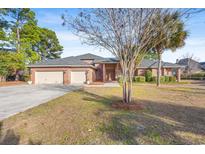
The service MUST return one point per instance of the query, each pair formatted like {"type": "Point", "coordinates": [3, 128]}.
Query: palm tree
{"type": "Point", "coordinates": [170, 37]}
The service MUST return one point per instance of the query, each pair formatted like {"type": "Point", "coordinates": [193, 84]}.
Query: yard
{"type": "Point", "coordinates": [171, 114]}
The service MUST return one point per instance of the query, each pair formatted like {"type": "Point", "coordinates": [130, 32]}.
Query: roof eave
{"type": "Point", "coordinates": [40, 66]}
{"type": "Point", "coordinates": [106, 62]}
{"type": "Point", "coordinates": [162, 67]}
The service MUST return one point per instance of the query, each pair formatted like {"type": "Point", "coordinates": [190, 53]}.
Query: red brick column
{"type": "Point", "coordinates": [116, 71]}
{"type": "Point", "coordinates": [66, 81]}
{"type": "Point", "coordinates": [32, 76]}
{"type": "Point", "coordinates": [89, 75]}
{"type": "Point", "coordinates": [104, 72]}
{"type": "Point", "coordinates": [163, 71]}
{"type": "Point", "coordinates": [178, 74]}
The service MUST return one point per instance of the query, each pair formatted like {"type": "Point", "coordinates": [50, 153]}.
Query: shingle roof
{"type": "Point", "coordinates": [193, 64]}
{"type": "Point", "coordinates": [68, 61]}
{"type": "Point", "coordinates": [202, 65]}
{"type": "Point", "coordinates": [77, 61]}
{"type": "Point", "coordinates": [154, 63]}
{"type": "Point", "coordinates": [89, 56]}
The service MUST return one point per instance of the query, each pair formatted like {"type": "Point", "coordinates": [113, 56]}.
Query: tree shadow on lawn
{"type": "Point", "coordinates": [187, 90]}
{"type": "Point", "coordinates": [158, 123]}
{"type": "Point", "coordinates": [199, 83]}
{"type": "Point", "coordinates": [9, 137]}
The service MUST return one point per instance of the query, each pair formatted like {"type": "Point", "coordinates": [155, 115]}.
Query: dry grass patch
{"type": "Point", "coordinates": [170, 116]}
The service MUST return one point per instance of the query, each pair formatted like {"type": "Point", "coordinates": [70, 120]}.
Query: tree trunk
{"type": "Point", "coordinates": [124, 86]}
{"type": "Point", "coordinates": [17, 50]}
{"type": "Point", "coordinates": [18, 40]}
{"type": "Point", "coordinates": [159, 68]}
{"type": "Point", "coordinates": [131, 74]}
{"type": "Point", "coordinates": [130, 92]}
{"type": "Point", "coordinates": [124, 92]}
{"type": "Point", "coordinates": [127, 83]}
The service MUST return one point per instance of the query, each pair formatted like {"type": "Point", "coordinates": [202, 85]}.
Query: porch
{"type": "Point", "coordinates": [107, 72]}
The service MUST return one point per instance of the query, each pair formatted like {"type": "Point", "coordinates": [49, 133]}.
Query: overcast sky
{"type": "Point", "coordinates": [51, 18]}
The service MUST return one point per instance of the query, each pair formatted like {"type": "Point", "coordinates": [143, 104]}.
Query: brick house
{"type": "Point", "coordinates": [90, 68]}
{"type": "Point", "coordinates": [191, 66]}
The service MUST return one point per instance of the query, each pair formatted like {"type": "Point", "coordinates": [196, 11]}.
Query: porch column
{"type": "Point", "coordinates": [116, 71]}
{"type": "Point", "coordinates": [178, 74]}
{"type": "Point", "coordinates": [163, 71]}
{"type": "Point", "coordinates": [104, 72]}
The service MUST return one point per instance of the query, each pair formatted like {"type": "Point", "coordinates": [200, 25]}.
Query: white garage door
{"type": "Point", "coordinates": [78, 77]}
{"type": "Point", "coordinates": [49, 77]}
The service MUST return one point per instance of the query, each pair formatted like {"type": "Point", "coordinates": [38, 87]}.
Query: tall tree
{"type": "Point", "coordinates": [126, 33]}
{"type": "Point", "coordinates": [169, 36]}
{"type": "Point", "coordinates": [42, 41]}
{"type": "Point", "coordinates": [49, 46]}
{"type": "Point", "coordinates": [30, 41]}
{"type": "Point", "coordinates": [9, 63]}
{"type": "Point", "coordinates": [19, 17]}
{"type": "Point", "coordinates": [3, 27]}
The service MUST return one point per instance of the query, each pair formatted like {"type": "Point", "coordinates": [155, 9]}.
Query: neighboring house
{"type": "Point", "coordinates": [202, 65]}
{"type": "Point", "coordinates": [190, 66]}
{"type": "Point", "coordinates": [90, 68]}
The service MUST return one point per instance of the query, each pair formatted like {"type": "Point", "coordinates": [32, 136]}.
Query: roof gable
{"type": "Point", "coordinates": [89, 56]}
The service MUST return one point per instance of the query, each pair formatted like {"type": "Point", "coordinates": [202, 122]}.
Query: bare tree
{"type": "Point", "coordinates": [127, 33]}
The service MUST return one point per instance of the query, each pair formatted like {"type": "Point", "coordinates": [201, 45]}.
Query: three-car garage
{"type": "Point", "coordinates": [56, 77]}
{"type": "Point", "coordinates": [61, 75]}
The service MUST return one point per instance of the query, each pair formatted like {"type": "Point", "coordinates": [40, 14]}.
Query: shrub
{"type": "Point", "coordinates": [148, 75]}
{"type": "Point", "coordinates": [166, 78]}
{"type": "Point", "coordinates": [162, 78]}
{"type": "Point", "coordinates": [26, 77]}
{"type": "Point", "coordinates": [172, 79]}
{"type": "Point", "coordinates": [154, 79]}
{"type": "Point", "coordinates": [139, 79]}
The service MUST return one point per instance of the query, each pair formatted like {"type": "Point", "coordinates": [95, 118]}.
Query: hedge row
{"type": "Point", "coordinates": [195, 75]}
{"type": "Point", "coordinates": [152, 79]}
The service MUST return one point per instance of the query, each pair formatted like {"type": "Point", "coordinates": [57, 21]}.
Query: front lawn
{"type": "Point", "coordinates": [171, 115]}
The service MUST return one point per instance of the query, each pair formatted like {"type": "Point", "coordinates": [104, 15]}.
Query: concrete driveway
{"type": "Point", "coordinates": [15, 99]}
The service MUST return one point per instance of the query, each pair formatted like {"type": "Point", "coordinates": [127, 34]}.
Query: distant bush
{"type": "Point", "coordinates": [166, 78]}
{"type": "Point", "coordinates": [148, 75]}
{"type": "Point", "coordinates": [139, 79]}
{"type": "Point", "coordinates": [201, 74]}
{"type": "Point", "coordinates": [172, 79]}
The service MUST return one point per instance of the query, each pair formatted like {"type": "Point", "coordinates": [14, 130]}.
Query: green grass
{"type": "Point", "coordinates": [171, 115]}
